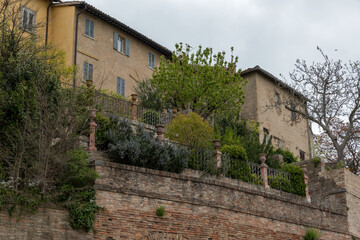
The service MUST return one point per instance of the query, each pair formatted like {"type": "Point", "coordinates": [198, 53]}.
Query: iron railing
{"type": "Point", "coordinates": [152, 117]}
{"type": "Point", "coordinates": [240, 170]}
{"type": "Point", "coordinates": [280, 180]}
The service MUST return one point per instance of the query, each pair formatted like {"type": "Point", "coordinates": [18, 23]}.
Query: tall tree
{"type": "Point", "coordinates": [203, 81]}
{"type": "Point", "coordinates": [333, 90]}
{"type": "Point", "coordinates": [325, 148]}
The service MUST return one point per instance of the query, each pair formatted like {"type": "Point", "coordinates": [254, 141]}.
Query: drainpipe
{"type": "Point", "coordinates": [47, 23]}
{"type": "Point", "coordinates": [76, 40]}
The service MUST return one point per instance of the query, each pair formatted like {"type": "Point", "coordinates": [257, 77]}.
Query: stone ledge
{"type": "Point", "coordinates": [223, 182]}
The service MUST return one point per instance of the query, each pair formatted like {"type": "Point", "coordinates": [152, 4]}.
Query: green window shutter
{"type": "Point", "coordinates": [85, 71]}
{"type": "Point", "coordinates": [91, 28]}
{"type": "Point", "coordinates": [122, 87]}
{"type": "Point", "coordinates": [87, 27]}
{"type": "Point", "coordinates": [116, 41]}
{"type": "Point", "coordinates": [127, 47]}
{"type": "Point", "coordinates": [118, 85]}
{"type": "Point", "coordinates": [90, 71]}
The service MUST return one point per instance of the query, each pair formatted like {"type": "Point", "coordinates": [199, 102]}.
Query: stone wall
{"type": "Point", "coordinates": [199, 207]}
{"type": "Point", "coordinates": [47, 223]}
{"type": "Point", "coordinates": [337, 189]}
{"type": "Point", "coordinates": [352, 183]}
{"type": "Point", "coordinates": [196, 207]}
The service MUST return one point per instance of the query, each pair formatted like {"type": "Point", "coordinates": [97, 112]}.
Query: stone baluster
{"type": "Point", "coordinates": [134, 106]}
{"type": "Point", "coordinates": [160, 130]}
{"type": "Point", "coordinates": [306, 180]}
{"type": "Point", "coordinates": [217, 153]}
{"type": "Point", "coordinates": [92, 113]}
{"type": "Point", "coordinates": [263, 168]}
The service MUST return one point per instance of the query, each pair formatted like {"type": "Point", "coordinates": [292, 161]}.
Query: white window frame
{"type": "Point", "coordinates": [90, 26]}
{"type": "Point", "coordinates": [121, 44]}
{"type": "Point", "coordinates": [151, 60]}
{"type": "Point", "coordinates": [27, 26]}
{"type": "Point", "coordinates": [88, 71]}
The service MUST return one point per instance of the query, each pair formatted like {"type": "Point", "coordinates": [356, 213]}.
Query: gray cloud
{"type": "Point", "coordinates": [272, 34]}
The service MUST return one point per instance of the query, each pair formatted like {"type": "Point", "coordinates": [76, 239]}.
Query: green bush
{"type": "Point", "coordinates": [77, 191]}
{"type": "Point", "coordinates": [77, 170]}
{"type": "Point", "coordinates": [151, 117]}
{"type": "Point", "coordinates": [312, 234]}
{"type": "Point", "coordinates": [280, 183]}
{"type": "Point", "coordinates": [255, 178]}
{"type": "Point", "coordinates": [235, 151]}
{"type": "Point", "coordinates": [287, 155]}
{"type": "Point", "coordinates": [316, 161]}
{"type": "Point", "coordinates": [103, 126]}
{"type": "Point", "coordinates": [141, 149]}
{"type": "Point", "coordinates": [190, 129]}
{"type": "Point", "coordinates": [297, 178]}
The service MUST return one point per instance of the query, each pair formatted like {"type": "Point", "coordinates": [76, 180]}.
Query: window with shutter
{"type": "Point", "coordinates": [121, 44]}
{"type": "Point", "coordinates": [89, 28]}
{"type": "Point", "coordinates": [120, 86]}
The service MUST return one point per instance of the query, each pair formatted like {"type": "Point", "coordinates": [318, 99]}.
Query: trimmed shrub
{"type": "Point", "coordinates": [297, 178]}
{"type": "Point", "coordinates": [235, 151]}
{"type": "Point", "coordinates": [190, 129]}
{"type": "Point", "coordinates": [280, 183]}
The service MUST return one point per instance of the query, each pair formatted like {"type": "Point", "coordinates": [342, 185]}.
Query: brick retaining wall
{"type": "Point", "coordinates": [196, 207]}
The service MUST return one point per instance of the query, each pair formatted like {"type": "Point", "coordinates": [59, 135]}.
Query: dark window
{"type": "Point", "coordinates": [302, 155]}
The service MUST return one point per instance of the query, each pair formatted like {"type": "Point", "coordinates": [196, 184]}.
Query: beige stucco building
{"type": "Point", "coordinates": [104, 49]}
{"type": "Point", "coordinates": [265, 97]}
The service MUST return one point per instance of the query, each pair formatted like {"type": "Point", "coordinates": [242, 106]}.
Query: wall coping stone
{"type": "Point", "coordinates": [221, 182]}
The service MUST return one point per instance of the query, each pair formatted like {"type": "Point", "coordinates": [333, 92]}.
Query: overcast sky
{"type": "Point", "coordinates": [268, 33]}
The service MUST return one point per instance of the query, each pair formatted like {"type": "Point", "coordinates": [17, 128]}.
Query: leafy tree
{"type": "Point", "coordinates": [40, 123]}
{"type": "Point", "coordinates": [333, 90]}
{"type": "Point", "coordinates": [203, 81]}
{"type": "Point", "coordinates": [149, 96]}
